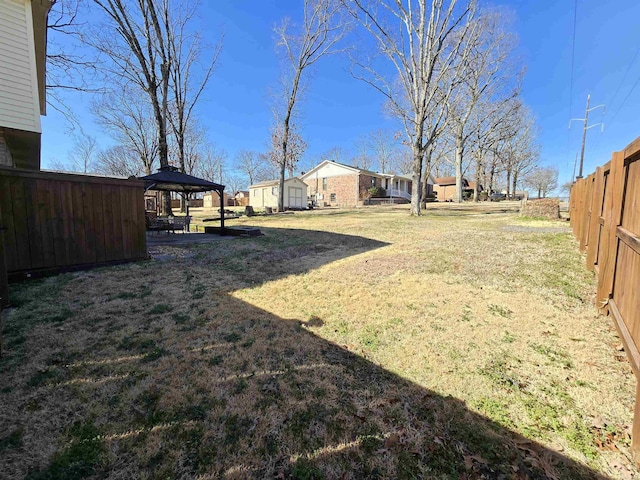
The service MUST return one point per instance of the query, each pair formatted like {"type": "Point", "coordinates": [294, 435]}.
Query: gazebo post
{"type": "Point", "coordinates": [221, 193]}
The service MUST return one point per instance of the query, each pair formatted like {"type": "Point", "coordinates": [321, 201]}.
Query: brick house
{"type": "Point", "coordinates": [445, 188]}
{"type": "Point", "coordinates": [335, 184]}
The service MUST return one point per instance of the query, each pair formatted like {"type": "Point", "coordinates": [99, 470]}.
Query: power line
{"type": "Point", "coordinates": [615, 95]}
{"type": "Point", "coordinates": [625, 99]}
{"type": "Point", "coordinates": [625, 76]}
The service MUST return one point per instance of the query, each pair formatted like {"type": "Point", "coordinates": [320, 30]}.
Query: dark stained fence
{"type": "Point", "coordinates": [56, 221]}
{"type": "Point", "coordinates": [605, 218]}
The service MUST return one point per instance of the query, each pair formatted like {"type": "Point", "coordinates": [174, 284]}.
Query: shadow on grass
{"type": "Point", "coordinates": [241, 393]}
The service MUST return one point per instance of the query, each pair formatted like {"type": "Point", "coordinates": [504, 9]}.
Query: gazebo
{"type": "Point", "coordinates": [170, 179]}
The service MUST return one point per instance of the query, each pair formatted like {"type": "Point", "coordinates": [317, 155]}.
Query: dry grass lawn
{"type": "Point", "coordinates": [339, 345]}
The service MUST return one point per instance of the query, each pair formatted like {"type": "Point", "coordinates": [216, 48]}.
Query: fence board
{"type": "Point", "coordinates": [594, 219]}
{"type": "Point", "coordinates": [55, 221]}
{"type": "Point", "coordinates": [126, 211]}
{"type": "Point", "coordinates": [34, 230]}
{"type": "Point", "coordinates": [611, 215]}
{"type": "Point", "coordinates": [4, 282]}
{"type": "Point", "coordinates": [20, 228]}
{"type": "Point", "coordinates": [8, 231]}
{"type": "Point", "coordinates": [44, 200]}
{"type": "Point", "coordinates": [89, 229]}
{"type": "Point", "coordinates": [99, 225]}
{"type": "Point", "coordinates": [57, 225]}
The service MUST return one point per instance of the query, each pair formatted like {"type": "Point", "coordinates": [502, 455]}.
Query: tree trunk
{"type": "Point", "coordinates": [425, 176]}
{"type": "Point", "coordinates": [477, 185]}
{"type": "Point", "coordinates": [515, 182]}
{"type": "Point", "coordinates": [416, 179]}
{"type": "Point", "coordinates": [458, 163]}
{"type": "Point", "coordinates": [508, 182]}
{"type": "Point", "coordinates": [283, 165]}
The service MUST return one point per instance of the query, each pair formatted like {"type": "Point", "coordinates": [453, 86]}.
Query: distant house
{"type": "Point", "coordinates": [265, 194]}
{"type": "Point", "coordinates": [23, 40]}
{"type": "Point", "coordinates": [445, 188]}
{"type": "Point", "coordinates": [335, 184]}
{"type": "Point", "coordinates": [240, 198]}
{"type": "Point", "coordinates": [212, 200]}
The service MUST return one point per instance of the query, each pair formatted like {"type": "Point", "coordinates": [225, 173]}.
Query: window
{"type": "Point", "coordinates": [274, 191]}
{"type": "Point", "coordinates": [324, 183]}
{"type": "Point", "coordinates": [373, 181]}
{"type": "Point", "coordinates": [332, 198]}
{"type": "Point", "coordinates": [255, 192]}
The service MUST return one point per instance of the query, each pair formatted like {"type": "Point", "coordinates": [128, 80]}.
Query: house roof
{"type": "Point", "coordinates": [269, 183]}
{"type": "Point", "coordinates": [442, 181]}
{"type": "Point", "coordinates": [347, 167]}
{"type": "Point", "coordinates": [172, 180]}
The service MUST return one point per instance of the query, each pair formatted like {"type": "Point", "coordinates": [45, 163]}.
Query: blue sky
{"type": "Point", "coordinates": [338, 109]}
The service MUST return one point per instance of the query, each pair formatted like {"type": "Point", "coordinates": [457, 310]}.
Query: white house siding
{"type": "Point", "coordinates": [19, 101]}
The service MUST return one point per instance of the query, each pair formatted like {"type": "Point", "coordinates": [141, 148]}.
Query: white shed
{"type": "Point", "coordinates": [265, 194]}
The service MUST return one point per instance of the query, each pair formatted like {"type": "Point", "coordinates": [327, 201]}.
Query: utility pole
{"type": "Point", "coordinates": [584, 132]}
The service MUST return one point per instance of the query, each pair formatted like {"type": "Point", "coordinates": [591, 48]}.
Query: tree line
{"type": "Point", "coordinates": [447, 72]}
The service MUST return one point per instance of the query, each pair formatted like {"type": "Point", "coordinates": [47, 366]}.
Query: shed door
{"type": "Point", "coordinates": [295, 197]}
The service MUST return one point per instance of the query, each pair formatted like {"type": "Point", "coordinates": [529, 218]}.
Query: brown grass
{"type": "Point", "coordinates": [342, 344]}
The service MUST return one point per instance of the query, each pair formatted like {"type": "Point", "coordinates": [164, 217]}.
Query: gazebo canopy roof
{"type": "Point", "coordinates": [172, 180]}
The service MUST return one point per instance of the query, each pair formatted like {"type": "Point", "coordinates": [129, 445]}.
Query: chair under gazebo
{"type": "Point", "coordinates": [170, 179]}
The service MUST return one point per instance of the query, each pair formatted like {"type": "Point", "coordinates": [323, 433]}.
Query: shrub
{"type": "Point", "coordinates": [377, 192]}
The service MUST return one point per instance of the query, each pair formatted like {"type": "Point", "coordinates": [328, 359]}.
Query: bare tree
{"type": "Point", "coordinates": [186, 86]}
{"type": "Point", "coordinates": [518, 152]}
{"type": "Point", "coordinates": [542, 179]}
{"type": "Point", "coordinates": [135, 38]}
{"type": "Point", "coordinates": [363, 159]}
{"type": "Point", "coordinates": [250, 164]}
{"type": "Point", "coordinates": [121, 161]}
{"type": "Point", "coordinates": [403, 161]}
{"type": "Point", "coordinates": [566, 187]}
{"type": "Point", "coordinates": [321, 29]}
{"type": "Point", "coordinates": [82, 155]}
{"type": "Point", "coordinates": [68, 65]}
{"type": "Point", "coordinates": [57, 165]}
{"type": "Point", "coordinates": [233, 183]}
{"type": "Point", "coordinates": [129, 121]}
{"type": "Point", "coordinates": [383, 145]}
{"type": "Point", "coordinates": [491, 127]}
{"type": "Point", "coordinates": [296, 146]}
{"type": "Point", "coordinates": [421, 40]}
{"type": "Point", "coordinates": [335, 154]}
{"type": "Point", "coordinates": [213, 164]}
{"type": "Point", "coordinates": [485, 83]}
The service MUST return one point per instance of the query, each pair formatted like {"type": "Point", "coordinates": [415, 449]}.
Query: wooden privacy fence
{"type": "Point", "coordinates": [56, 221]}
{"type": "Point", "coordinates": [605, 217]}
